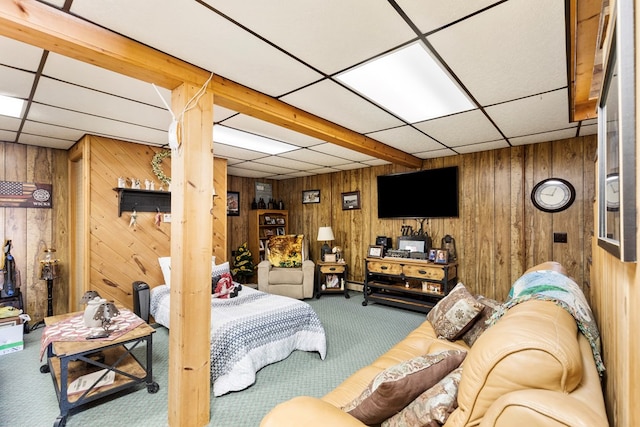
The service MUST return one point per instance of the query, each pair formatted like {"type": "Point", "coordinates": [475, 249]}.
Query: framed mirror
{"type": "Point", "coordinates": [616, 141]}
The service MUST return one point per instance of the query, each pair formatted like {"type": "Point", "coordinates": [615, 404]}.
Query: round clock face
{"type": "Point", "coordinates": [553, 195]}
{"type": "Point", "coordinates": [613, 192]}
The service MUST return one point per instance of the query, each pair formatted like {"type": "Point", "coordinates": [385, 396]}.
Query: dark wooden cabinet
{"type": "Point", "coordinates": [407, 283]}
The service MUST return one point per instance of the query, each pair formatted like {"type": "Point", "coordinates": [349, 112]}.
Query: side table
{"type": "Point", "coordinates": [69, 360]}
{"type": "Point", "coordinates": [333, 276]}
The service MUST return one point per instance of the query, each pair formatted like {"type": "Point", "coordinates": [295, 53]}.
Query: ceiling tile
{"type": "Point", "coordinates": [247, 173]}
{"type": "Point", "coordinates": [444, 152]}
{"type": "Point", "coordinates": [330, 35]}
{"type": "Point", "coordinates": [512, 50]}
{"type": "Point", "coordinates": [7, 136]}
{"type": "Point", "coordinates": [45, 141]}
{"type": "Point", "coordinates": [313, 157]}
{"type": "Point", "coordinates": [532, 115]}
{"type": "Point", "coordinates": [9, 123]}
{"type": "Point", "coordinates": [15, 83]}
{"type": "Point", "coordinates": [407, 139]}
{"type": "Point", "coordinates": [269, 130]}
{"type": "Point", "coordinates": [286, 163]}
{"type": "Point", "coordinates": [224, 150]}
{"type": "Point", "coordinates": [429, 15]}
{"type": "Point", "coordinates": [60, 132]}
{"type": "Point", "coordinates": [19, 55]}
{"type": "Point", "coordinates": [336, 104]}
{"type": "Point", "coordinates": [483, 146]}
{"type": "Point", "coordinates": [589, 129]}
{"type": "Point", "coordinates": [544, 137]}
{"type": "Point", "coordinates": [338, 151]}
{"type": "Point", "coordinates": [460, 129]}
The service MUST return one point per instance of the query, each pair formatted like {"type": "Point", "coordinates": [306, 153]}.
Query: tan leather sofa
{"type": "Point", "coordinates": [532, 368]}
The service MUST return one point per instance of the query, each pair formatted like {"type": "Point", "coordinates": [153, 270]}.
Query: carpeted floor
{"type": "Point", "coordinates": [356, 335]}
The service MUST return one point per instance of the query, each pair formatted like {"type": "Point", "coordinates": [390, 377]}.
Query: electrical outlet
{"type": "Point", "coordinates": [166, 218]}
{"type": "Point", "coordinates": [559, 237]}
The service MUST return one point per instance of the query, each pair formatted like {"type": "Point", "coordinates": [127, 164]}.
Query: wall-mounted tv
{"type": "Point", "coordinates": [428, 193]}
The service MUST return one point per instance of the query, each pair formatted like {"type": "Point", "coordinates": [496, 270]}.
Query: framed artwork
{"type": "Point", "coordinates": [330, 258]}
{"type": "Point", "coordinates": [233, 203]}
{"type": "Point", "coordinates": [280, 231]}
{"type": "Point", "coordinates": [442, 256]}
{"type": "Point", "coordinates": [311, 196]}
{"type": "Point", "coordinates": [432, 255]}
{"type": "Point", "coordinates": [617, 192]}
{"type": "Point", "coordinates": [351, 200]}
{"type": "Point", "coordinates": [375, 251]}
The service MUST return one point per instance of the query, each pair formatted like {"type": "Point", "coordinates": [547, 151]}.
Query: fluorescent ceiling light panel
{"type": "Point", "coordinates": [11, 106]}
{"type": "Point", "coordinates": [410, 83]}
{"type": "Point", "coordinates": [249, 141]}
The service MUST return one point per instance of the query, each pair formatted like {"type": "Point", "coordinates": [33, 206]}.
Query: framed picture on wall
{"type": "Point", "coordinates": [311, 196]}
{"type": "Point", "coordinates": [351, 200]}
{"type": "Point", "coordinates": [233, 203]}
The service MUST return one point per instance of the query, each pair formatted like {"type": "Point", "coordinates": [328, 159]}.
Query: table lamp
{"type": "Point", "coordinates": [325, 234]}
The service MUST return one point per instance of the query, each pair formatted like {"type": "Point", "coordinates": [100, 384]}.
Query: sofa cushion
{"type": "Point", "coordinates": [285, 251]}
{"type": "Point", "coordinates": [454, 314]}
{"type": "Point", "coordinates": [286, 276]}
{"type": "Point", "coordinates": [431, 408]}
{"type": "Point", "coordinates": [480, 323]}
{"type": "Point", "coordinates": [395, 387]}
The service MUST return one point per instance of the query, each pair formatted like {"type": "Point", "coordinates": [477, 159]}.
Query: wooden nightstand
{"type": "Point", "coordinates": [333, 276]}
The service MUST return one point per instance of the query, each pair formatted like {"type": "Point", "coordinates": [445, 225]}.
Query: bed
{"type": "Point", "coordinates": [250, 331]}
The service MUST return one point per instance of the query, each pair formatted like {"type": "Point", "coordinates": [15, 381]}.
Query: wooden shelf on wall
{"type": "Point", "coordinates": [143, 200]}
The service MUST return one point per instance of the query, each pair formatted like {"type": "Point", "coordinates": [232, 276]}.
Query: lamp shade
{"type": "Point", "coordinates": [325, 234]}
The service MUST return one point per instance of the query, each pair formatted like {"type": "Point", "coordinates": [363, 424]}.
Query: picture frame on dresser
{"type": "Point", "coordinates": [442, 256]}
{"type": "Point", "coordinates": [330, 258]}
{"type": "Point", "coordinates": [375, 251]}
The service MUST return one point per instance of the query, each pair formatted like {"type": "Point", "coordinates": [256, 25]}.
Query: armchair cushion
{"type": "Point", "coordinates": [285, 251]}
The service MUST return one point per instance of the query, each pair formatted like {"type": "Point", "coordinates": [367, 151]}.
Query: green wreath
{"type": "Point", "coordinates": [157, 168]}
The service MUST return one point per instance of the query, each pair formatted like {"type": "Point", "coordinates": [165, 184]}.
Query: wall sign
{"type": "Point", "coordinates": [15, 194]}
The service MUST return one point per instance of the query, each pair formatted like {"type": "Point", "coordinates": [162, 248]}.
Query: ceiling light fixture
{"type": "Point", "coordinates": [11, 106]}
{"type": "Point", "coordinates": [410, 83]}
{"type": "Point", "coordinates": [249, 141]}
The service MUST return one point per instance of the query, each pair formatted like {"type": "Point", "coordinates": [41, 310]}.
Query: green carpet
{"type": "Point", "coordinates": [356, 335]}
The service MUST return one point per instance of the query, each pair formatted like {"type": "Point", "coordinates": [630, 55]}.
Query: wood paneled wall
{"type": "Point", "coordinates": [499, 233]}
{"type": "Point", "coordinates": [33, 230]}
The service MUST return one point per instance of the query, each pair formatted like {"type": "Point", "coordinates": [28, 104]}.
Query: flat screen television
{"type": "Point", "coordinates": [429, 193]}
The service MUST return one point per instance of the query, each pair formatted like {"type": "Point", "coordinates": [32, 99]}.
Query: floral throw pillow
{"type": "Point", "coordinates": [431, 408]}
{"type": "Point", "coordinates": [480, 324]}
{"type": "Point", "coordinates": [397, 386]}
{"type": "Point", "coordinates": [285, 251]}
{"type": "Point", "coordinates": [454, 314]}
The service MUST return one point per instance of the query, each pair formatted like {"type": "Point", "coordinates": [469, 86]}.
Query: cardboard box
{"type": "Point", "coordinates": [11, 339]}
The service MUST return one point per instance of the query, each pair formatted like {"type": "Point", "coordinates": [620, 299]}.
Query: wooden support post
{"type": "Point", "coordinates": [191, 247]}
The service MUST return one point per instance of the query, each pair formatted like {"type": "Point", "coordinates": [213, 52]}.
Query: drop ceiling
{"type": "Point", "coordinates": [510, 57]}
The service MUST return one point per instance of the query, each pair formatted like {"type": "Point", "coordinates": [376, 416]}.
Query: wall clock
{"type": "Point", "coordinates": [553, 195]}
{"type": "Point", "coordinates": [613, 192]}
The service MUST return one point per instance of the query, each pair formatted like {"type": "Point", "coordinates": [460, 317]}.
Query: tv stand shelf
{"type": "Point", "coordinates": [408, 283]}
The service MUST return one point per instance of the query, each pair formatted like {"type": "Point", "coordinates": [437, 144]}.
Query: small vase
{"type": "Point", "coordinates": [90, 312]}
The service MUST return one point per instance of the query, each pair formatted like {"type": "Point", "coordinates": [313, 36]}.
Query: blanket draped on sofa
{"type": "Point", "coordinates": [550, 285]}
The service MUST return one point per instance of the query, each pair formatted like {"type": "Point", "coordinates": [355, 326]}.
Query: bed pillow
{"type": "Point", "coordinates": [431, 408]}
{"type": "Point", "coordinates": [455, 313]}
{"type": "Point", "coordinates": [165, 267]}
{"type": "Point", "coordinates": [285, 251]}
{"type": "Point", "coordinates": [480, 324]}
{"type": "Point", "coordinates": [397, 386]}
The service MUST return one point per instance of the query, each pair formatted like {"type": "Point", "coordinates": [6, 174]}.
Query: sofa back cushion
{"type": "Point", "coordinates": [533, 346]}
{"type": "Point", "coordinates": [286, 251]}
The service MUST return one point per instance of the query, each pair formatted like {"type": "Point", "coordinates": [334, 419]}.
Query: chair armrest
{"type": "Point", "coordinates": [308, 412]}
{"type": "Point", "coordinates": [308, 284]}
{"type": "Point", "coordinates": [263, 275]}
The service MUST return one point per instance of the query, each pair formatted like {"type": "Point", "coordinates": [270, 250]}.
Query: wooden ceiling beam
{"type": "Point", "coordinates": [37, 24]}
{"type": "Point", "coordinates": [584, 65]}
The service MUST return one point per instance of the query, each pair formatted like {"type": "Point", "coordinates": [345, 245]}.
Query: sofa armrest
{"type": "Point", "coordinates": [541, 407]}
{"type": "Point", "coordinates": [308, 412]}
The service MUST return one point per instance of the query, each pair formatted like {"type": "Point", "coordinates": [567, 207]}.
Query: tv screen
{"type": "Point", "coordinates": [429, 193]}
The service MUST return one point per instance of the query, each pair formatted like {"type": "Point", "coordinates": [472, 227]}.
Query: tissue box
{"type": "Point", "coordinates": [11, 331]}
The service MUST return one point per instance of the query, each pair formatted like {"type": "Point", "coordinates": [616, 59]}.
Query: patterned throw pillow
{"type": "Point", "coordinates": [431, 408]}
{"type": "Point", "coordinates": [454, 314]}
{"type": "Point", "coordinates": [285, 251]}
{"type": "Point", "coordinates": [395, 387]}
{"type": "Point", "coordinates": [480, 324]}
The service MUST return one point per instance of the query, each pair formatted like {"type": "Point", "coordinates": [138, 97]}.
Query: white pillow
{"type": "Point", "coordinates": [218, 270]}
{"type": "Point", "coordinates": [165, 266]}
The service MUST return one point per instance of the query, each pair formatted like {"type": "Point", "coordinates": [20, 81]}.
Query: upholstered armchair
{"type": "Point", "coordinates": [286, 269]}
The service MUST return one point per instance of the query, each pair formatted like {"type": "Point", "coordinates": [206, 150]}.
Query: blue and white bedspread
{"type": "Point", "coordinates": [249, 332]}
